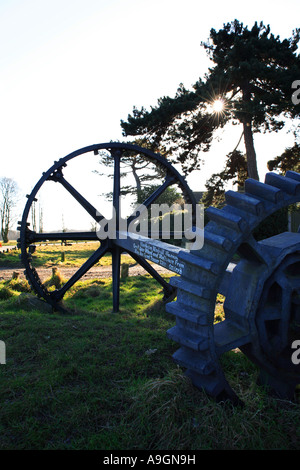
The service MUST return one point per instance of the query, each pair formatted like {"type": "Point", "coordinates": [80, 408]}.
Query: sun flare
{"type": "Point", "coordinates": [218, 106]}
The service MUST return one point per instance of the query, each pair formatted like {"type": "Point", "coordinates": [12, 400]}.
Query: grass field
{"type": "Point", "coordinates": [100, 380]}
{"type": "Point", "coordinates": [51, 255]}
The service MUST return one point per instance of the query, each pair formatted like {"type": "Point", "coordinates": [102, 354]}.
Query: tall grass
{"type": "Point", "coordinates": [100, 380]}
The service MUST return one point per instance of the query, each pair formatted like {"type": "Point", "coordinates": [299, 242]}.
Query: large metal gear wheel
{"type": "Point", "coordinates": [55, 175]}
{"type": "Point", "coordinates": [262, 289]}
{"type": "Point", "coordinates": [262, 292]}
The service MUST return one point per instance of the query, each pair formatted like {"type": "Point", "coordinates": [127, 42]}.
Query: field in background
{"type": "Point", "coordinates": [51, 255]}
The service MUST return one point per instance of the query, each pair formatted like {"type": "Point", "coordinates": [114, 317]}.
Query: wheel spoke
{"type": "Point", "coordinates": [152, 198]}
{"type": "Point", "coordinates": [169, 290]}
{"type": "Point", "coordinates": [94, 213]}
{"type": "Point", "coordinates": [117, 185]}
{"type": "Point", "coordinates": [286, 317]}
{"type": "Point", "coordinates": [115, 250]}
{"type": "Point", "coordinates": [46, 236]}
{"type": "Point", "coordinates": [58, 294]}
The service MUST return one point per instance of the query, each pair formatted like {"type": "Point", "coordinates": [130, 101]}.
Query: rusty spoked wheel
{"type": "Point", "coordinates": [29, 237]}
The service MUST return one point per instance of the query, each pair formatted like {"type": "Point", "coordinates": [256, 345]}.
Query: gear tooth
{"type": "Point", "coordinates": [264, 191]}
{"type": "Point", "coordinates": [191, 315]}
{"type": "Point", "coordinates": [245, 202]}
{"type": "Point", "coordinates": [33, 199]}
{"type": "Point", "coordinates": [36, 286]}
{"type": "Point", "coordinates": [228, 219]}
{"type": "Point", "coordinates": [192, 301]}
{"type": "Point", "coordinates": [197, 361]}
{"type": "Point", "coordinates": [215, 386]}
{"type": "Point", "coordinates": [217, 241]}
{"type": "Point", "coordinates": [228, 335]}
{"type": "Point", "coordinates": [189, 339]}
{"type": "Point", "coordinates": [62, 162]}
{"type": "Point", "coordinates": [207, 265]}
{"type": "Point", "coordinates": [288, 185]}
{"type": "Point", "coordinates": [293, 175]}
{"type": "Point", "coordinates": [190, 287]}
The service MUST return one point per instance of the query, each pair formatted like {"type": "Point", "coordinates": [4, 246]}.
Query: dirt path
{"type": "Point", "coordinates": [7, 248]}
{"type": "Point", "coordinates": [93, 273]}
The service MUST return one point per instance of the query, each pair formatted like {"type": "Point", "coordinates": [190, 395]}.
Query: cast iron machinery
{"type": "Point", "coordinates": [260, 280]}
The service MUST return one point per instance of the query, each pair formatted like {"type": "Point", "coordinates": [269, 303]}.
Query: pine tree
{"type": "Point", "coordinates": [288, 160]}
{"type": "Point", "coordinates": [251, 78]}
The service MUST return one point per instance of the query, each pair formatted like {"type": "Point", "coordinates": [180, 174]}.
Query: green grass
{"type": "Point", "coordinates": [95, 379]}
{"type": "Point", "coordinates": [51, 255]}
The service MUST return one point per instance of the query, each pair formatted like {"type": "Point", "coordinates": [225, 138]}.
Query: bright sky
{"type": "Point", "coordinates": [70, 70]}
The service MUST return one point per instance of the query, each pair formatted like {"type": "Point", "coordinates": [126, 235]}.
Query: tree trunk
{"type": "Point", "coordinates": [137, 180]}
{"type": "Point", "coordinates": [250, 151]}
{"type": "Point", "coordinates": [248, 135]}
{"type": "Point", "coordinates": [5, 236]}
{"type": "Point", "coordinates": [4, 225]}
